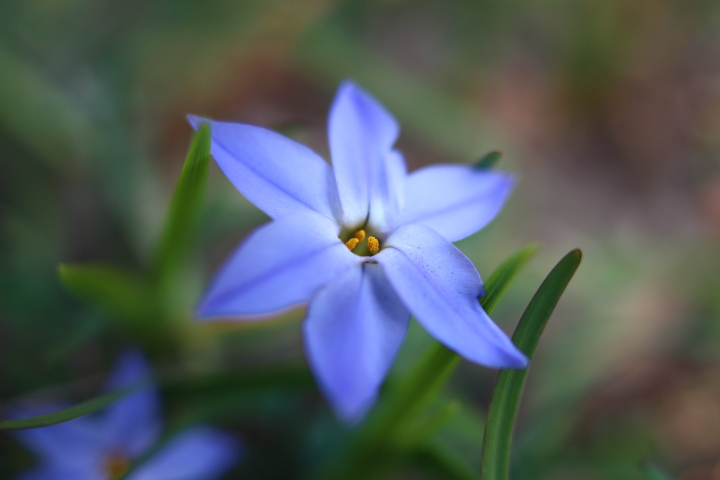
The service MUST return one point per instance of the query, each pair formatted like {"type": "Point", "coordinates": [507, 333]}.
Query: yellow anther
{"type": "Point", "coordinates": [360, 235]}
{"type": "Point", "coordinates": [352, 243]}
{"type": "Point", "coordinates": [116, 466]}
{"type": "Point", "coordinates": [373, 245]}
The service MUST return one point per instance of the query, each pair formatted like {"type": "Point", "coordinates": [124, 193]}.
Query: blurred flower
{"type": "Point", "coordinates": [364, 242]}
{"type": "Point", "coordinates": [102, 446]}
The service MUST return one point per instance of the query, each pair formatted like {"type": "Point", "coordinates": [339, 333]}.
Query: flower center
{"type": "Point", "coordinates": [358, 244]}
{"type": "Point", "coordinates": [116, 466]}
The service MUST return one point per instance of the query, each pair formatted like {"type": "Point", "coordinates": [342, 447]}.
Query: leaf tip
{"type": "Point", "coordinates": [64, 270]}
{"type": "Point", "coordinates": [531, 249]}
{"type": "Point", "coordinates": [575, 254]}
{"type": "Point", "coordinates": [488, 161]}
{"type": "Point", "coordinates": [204, 128]}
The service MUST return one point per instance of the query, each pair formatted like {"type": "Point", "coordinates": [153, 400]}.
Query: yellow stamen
{"type": "Point", "coordinates": [360, 235]}
{"type": "Point", "coordinates": [352, 243]}
{"type": "Point", "coordinates": [116, 466]}
{"type": "Point", "coordinates": [373, 245]}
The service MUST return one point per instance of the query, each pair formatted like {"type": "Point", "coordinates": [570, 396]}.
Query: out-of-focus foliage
{"type": "Point", "coordinates": [608, 111]}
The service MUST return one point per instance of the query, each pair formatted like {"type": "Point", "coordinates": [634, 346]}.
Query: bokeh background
{"type": "Point", "coordinates": [608, 112]}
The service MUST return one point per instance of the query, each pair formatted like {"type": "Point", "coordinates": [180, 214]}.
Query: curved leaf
{"type": "Point", "coordinates": [60, 416]}
{"type": "Point", "coordinates": [509, 385]}
{"type": "Point", "coordinates": [488, 160]}
{"type": "Point", "coordinates": [185, 205]}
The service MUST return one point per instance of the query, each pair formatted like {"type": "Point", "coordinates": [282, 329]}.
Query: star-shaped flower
{"type": "Point", "coordinates": [363, 242]}
{"type": "Point", "coordinates": [103, 445]}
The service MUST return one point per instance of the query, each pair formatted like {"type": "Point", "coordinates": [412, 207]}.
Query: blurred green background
{"type": "Point", "coordinates": [608, 112]}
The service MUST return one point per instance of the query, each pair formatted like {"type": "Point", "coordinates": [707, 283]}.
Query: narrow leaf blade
{"type": "Point", "coordinates": [444, 463]}
{"type": "Point", "coordinates": [502, 277]}
{"type": "Point", "coordinates": [509, 385]}
{"type": "Point", "coordinates": [60, 416]}
{"type": "Point", "coordinates": [185, 205]}
{"type": "Point", "coordinates": [110, 287]}
{"type": "Point", "coordinates": [488, 160]}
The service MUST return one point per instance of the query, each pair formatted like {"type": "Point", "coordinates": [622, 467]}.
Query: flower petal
{"type": "Point", "coordinates": [353, 330]}
{"type": "Point", "coordinates": [277, 174]}
{"type": "Point", "coordinates": [197, 454]}
{"type": "Point", "coordinates": [278, 266]}
{"type": "Point", "coordinates": [362, 134]}
{"type": "Point", "coordinates": [397, 174]}
{"type": "Point", "coordinates": [454, 200]}
{"type": "Point", "coordinates": [132, 424]}
{"type": "Point", "coordinates": [440, 286]}
{"type": "Point", "coordinates": [74, 446]}
{"type": "Point", "coordinates": [52, 473]}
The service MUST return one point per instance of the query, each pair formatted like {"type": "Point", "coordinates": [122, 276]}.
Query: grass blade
{"type": "Point", "coordinates": [444, 463]}
{"type": "Point", "coordinates": [126, 297]}
{"type": "Point", "coordinates": [60, 416]}
{"type": "Point", "coordinates": [115, 290]}
{"type": "Point", "coordinates": [185, 205]}
{"type": "Point", "coordinates": [502, 277]}
{"type": "Point", "coordinates": [488, 160]}
{"type": "Point", "coordinates": [509, 385]}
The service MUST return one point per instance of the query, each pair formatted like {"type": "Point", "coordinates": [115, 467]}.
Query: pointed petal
{"type": "Point", "coordinates": [455, 200]}
{"type": "Point", "coordinates": [132, 424]}
{"type": "Point", "coordinates": [397, 174]}
{"type": "Point", "coordinates": [73, 446]}
{"type": "Point", "coordinates": [277, 174]}
{"type": "Point", "coordinates": [51, 473]}
{"type": "Point", "coordinates": [362, 134]}
{"type": "Point", "coordinates": [441, 287]}
{"type": "Point", "coordinates": [353, 330]}
{"type": "Point", "coordinates": [197, 454]}
{"type": "Point", "coordinates": [278, 266]}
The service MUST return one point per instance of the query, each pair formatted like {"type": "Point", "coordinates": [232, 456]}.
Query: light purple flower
{"type": "Point", "coordinates": [101, 446]}
{"type": "Point", "coordinates": [360, 300]}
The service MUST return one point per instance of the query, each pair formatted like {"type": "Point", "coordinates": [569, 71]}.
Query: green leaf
{"type": "Point", "coordinates": [128, 299]}
{"type": "Point", "coordinates": [185, 205]}
{"type": "Point", "coordinates": [416, 389]}
{"type": "Point", "coordinates": [502, 277]}
{"type": "Point", "coordinates": [509, 385]}
{"type": "Point", "coordinates": [207, 392]}
{"type": "Point", "coordinates": [424, 427]}
{"type": "Point", "coordinates": [78, 410]}
{"type": "Point", "coordinates": [488, 160]}
{"type": "Point", "coordinates": [444, 462]}
{"type": "Point", "coordinates": [118, 291]}
{"type": "Point", "coordinates": [38, 113]}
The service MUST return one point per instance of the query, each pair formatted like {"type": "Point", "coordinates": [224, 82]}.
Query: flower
{"type": "Point", "coordinates": [363, 242]}
{"type": "Point", "coordinates": [103, 445]}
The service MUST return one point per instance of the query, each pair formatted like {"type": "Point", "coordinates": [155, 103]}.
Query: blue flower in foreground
{"type": "Point", "coordinates": [363, 242]}
{"type": "Point", "coordinates": [101, 446]}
